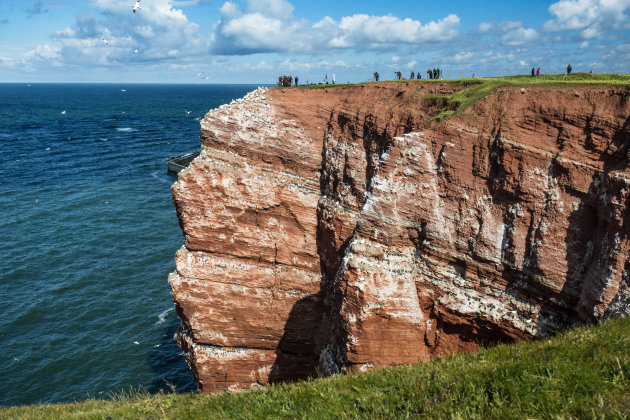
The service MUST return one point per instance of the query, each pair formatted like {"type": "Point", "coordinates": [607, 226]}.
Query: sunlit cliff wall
{"type": "Point", "coordinates": [339, 229]}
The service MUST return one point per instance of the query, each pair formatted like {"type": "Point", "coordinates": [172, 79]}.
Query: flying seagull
{"type": "Point", "coordinates": [105, 41]}
{"type": "Point", "coordinates": [136, 6]}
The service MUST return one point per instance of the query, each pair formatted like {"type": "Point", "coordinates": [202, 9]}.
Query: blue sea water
{"type": "Point", "coordinates": [88, 234]}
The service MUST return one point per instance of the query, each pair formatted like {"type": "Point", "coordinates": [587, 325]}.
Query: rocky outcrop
{"type": "Point", "coordinates": [339, 229]}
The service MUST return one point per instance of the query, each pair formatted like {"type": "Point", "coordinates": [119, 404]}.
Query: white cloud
{"type": "Point", "coordinates": [280, 9]}
{"type": "Point", "coordinates": [44, 52]}
{"type": "Point", "coordinates": [158, 31]}
{"type": "Point", "coordinates": [590, 17]}
{"type": "Point", "coordinates": [618, 58]}
{"type": "Point", "coordinates": [27, 60]}
{"type": "Point", "coordinates": [510, 34]}
{"type": "Point", "coordinates": [269, 26]}
{"type": "Point", "coordinates": [484, 28]}
{"type": "Point", "coordinates": [519, 36]}
{"type": "Point", "coordinates": [383, 31]}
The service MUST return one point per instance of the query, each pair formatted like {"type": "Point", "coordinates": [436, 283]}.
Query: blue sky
{"type": "Point", "coordinates": [207, 41]}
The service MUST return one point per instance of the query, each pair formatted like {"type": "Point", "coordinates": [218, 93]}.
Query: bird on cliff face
{"type": "Point", "coordinates": [136, 6]}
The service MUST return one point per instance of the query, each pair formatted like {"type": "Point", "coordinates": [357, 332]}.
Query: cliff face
{"type": "Point", "coordinates": [337, 229]}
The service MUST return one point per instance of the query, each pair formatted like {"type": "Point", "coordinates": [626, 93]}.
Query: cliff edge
{"type": "Point", "coordinates": [339, 229]}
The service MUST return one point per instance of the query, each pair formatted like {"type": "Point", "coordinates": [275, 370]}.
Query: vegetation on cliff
{"type": "Point", "coordinates": [582, 373]}
{"type": "Point", "coordinates": [473, 90]}
{"type": "Point", "coordinates": [476, 89]}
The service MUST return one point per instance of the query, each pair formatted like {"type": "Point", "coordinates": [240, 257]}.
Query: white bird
{"type": "Point", "coordinates": [136, 6]}
{"type": "Point", "coordinates": [63, 112]}
{"type": "Point", "coordinates": [187, 112]}
{"type": "Point", "coordinates": [123, 90]}
{"type": "Point", "coordinates": [105, 41]}
{"type": "Point", "coordinates": [135, 51]}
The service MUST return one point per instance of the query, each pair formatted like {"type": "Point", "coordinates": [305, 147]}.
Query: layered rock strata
{"type": "Point", "coordinates": [339, 229]}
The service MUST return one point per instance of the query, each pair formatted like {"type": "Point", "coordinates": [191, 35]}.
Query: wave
{"type": "Point", "coordinates": [125, 129]}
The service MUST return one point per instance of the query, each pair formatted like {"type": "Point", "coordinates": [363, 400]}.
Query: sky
{"type": "Point", "coordinates": [255, 41]}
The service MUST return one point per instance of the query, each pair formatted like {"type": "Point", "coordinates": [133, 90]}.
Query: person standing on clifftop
{"type": "Point", "coordinates": [412, 75]}
{"type": "Point", "coordinates": [376, 76]}
{"type": "Point", "coordinates": [538, 72]}
{"type": "Point", "coordinates": [296, 81]}
{"type": "Point", "coordinates": [533, 72]}
{"type": "Point", "coordinates": [333, 79]}
{"type": "Point", "coordinates": [569, 68]}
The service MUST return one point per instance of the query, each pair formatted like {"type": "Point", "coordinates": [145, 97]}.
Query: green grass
{"type": "Point", "coordinates": [475, 89]}
{"type": "Point", "coordinates": [583, 373]}
{"type": "Point", "coordinates": [478, 88]}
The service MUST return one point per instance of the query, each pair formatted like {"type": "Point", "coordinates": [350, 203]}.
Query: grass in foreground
{"type": "Point", "coordinates": [583, 373]}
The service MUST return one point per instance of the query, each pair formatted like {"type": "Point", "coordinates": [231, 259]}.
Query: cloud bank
{"type": "Point", "coordinates": [269, 26]}
{"type": "Point", "coordinates": [107, 35]}
{"type": "Point", "coordinates": [591, 18]}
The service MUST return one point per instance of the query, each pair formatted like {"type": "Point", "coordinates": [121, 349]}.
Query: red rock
{"type": "Point", "coordinates": [339, 229]}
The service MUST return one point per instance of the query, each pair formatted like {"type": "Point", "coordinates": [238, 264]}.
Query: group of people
{"type": "Point", "coordinates": [436, 73]}
{"type": "Point", "coordinates": [287, 81]}
{"type": "Point", "coordinates": [433, 74]}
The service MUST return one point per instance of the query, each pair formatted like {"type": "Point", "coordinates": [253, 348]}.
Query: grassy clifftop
{"type": "Point", "coordinates": [473, 90]}
{"type": "Point", "coordinates": [582, 373]}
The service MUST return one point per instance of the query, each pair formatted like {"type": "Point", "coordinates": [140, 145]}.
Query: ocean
{"type": "Point", "coordinates": [88, 235]}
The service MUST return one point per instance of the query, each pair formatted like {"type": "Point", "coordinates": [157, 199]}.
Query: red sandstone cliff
{"type": "Point", "coordinates": [338, 229]}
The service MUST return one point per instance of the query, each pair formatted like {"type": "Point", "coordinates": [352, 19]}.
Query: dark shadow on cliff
{"type": "Point", "coordinates": [619, 149]}
{"type": "Point", "coordinates": [313, 319]}
{"type": "Point", "coordinates": [583, 244]}
{"type": "Point", "coordinates": [171, 372]}
{"type": "Point", "coordinates": [588, 240]}
{"type": "Point", "coordinates": [297, 353]}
